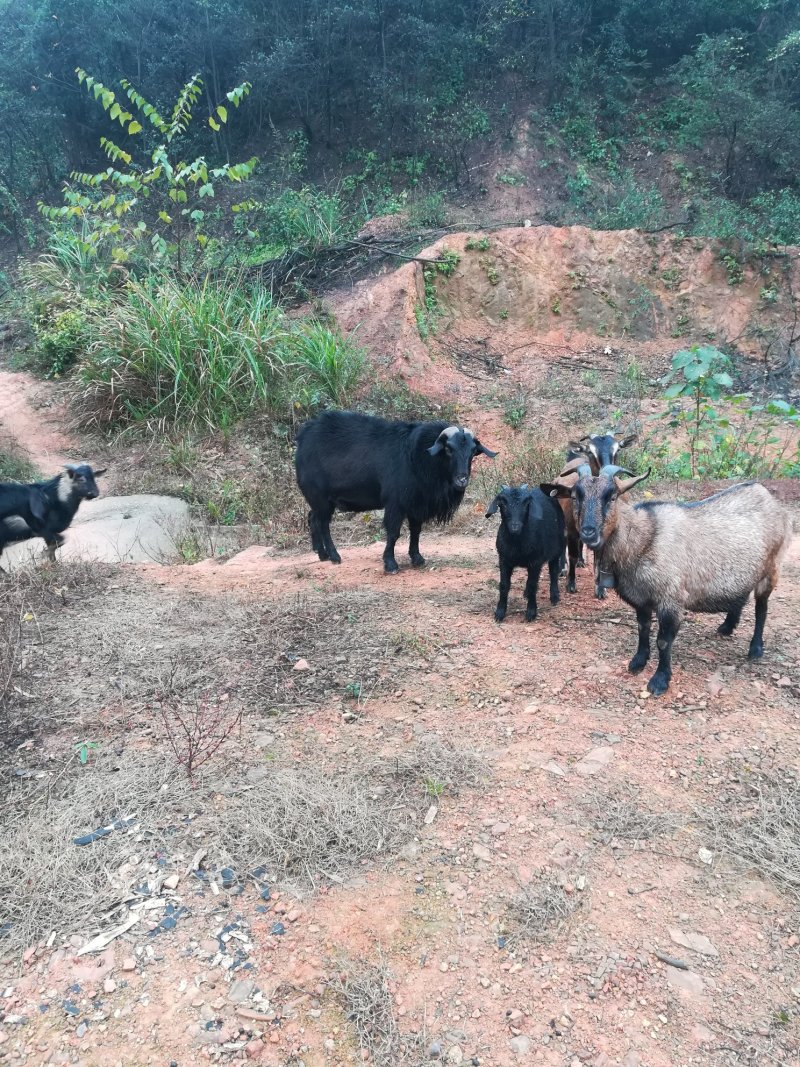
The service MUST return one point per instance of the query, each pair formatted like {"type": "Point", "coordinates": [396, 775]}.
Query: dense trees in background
{"type": "Point", "coordinates": [414, 80]}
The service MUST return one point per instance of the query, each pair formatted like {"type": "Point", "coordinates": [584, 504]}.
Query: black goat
{"type": "Point", "coordinates": [45, 509]}
{"type": "Point", "coordinates": [413, 470]}
{"type": "Point", "coordinates": [531, 534]}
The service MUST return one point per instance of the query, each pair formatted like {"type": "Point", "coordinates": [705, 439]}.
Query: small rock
{"type": "Point", "coordinates": [172, 881]}
{"type": "Point", "coordinates": [3, 1037]}
{"type": "Point", "coordinates": [277, 929]}
{"type": "Point", "coordinates": [228, 877]}
{"type": "Point", "coordinates": [701, 1034]}
{"type": "Point", "coordinates": [695, 942]}
{"type": "Point", "coordinates": [434, 1050]}
{"type": "Point", "coordinates": [481, 852]}
{"type": "Point", "coordinates": [109, 985]}
{"type": "Point", "coordinates": [254, 1048]}
{"type": "Point", "coordinates": [555, 768]}
{"type": "Point", "coordinates": [595, 761]}
{"type": "Point", "coordinates": [685, 981]}
{"type": "Point", "coordinates": [705, 855]}
{"type": "Point", "coordinates": [293, 915]}
{"type": "Point", "coordinates": [240, 990]}
{"type": "Point", "coordinates": [455, 1055]}
{"type": "Point", "coordinates": [520, 1045]}
{"type": "Point", "coordinates": [301, 665]}
{"type": "Point", "coordinates": [129, 964]}
{"type": "Point", "coordinates": [631, 1059]}
{"type": "Point", "coordinates": [81, 1030]}
{"type": "Point", "coordinates": [500, 828]}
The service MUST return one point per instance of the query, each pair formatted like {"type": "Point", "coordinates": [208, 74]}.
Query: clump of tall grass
{"type": "Point", "coordinates": [208, 351]}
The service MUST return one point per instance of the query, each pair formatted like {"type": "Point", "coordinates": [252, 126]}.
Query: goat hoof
{"type": "Point", "coordinates": [580, 562]}
{"type": "Point", "coordinates": [323, 555]}
{"type": "Point", "coordinates": [555, 598]}
{"type": "Point", "coordinates": [724, 631]}
{"type": "Point", "coordinates": [637, 664]}
{"type": "Point", "coordinates": [562, 572]}
{"type": "Point", "coordinates": [335, 557]}
{"type": "Point", "coordinates": [499, 615]}
{"type": "Point", "coordinates": [755, 652]}
{"type": "Point", "coordinates": [658, 685]}
{"type": "Point", "coordinates": [530, 616]}
{"type": "Point", "coordinates": [600, 594]}
{"type": "Point", "coordinates": [571, 587]}
{"type": "Point", "coordinates": [417, 560]}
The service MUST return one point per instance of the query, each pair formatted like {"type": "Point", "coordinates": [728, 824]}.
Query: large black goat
{"type": "Point", "coordinates": [668, 558]}
{"type": "Point", "coordinates": [45, 509]}
{"type": "Point", "coordinates": [413, 470]}
{"type": "Point", "coordinates": [531, 534]}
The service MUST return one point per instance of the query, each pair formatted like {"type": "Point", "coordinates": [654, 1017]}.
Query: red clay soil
{"type": "Point", "coordinates": [561, 725]}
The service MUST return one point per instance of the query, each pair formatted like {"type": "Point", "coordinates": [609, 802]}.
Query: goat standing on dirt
{"type": "Point", "coordinates": [669, 558]}
{"type": "Point", "coordinates": [45, 509]}
{"type": "Point", "coordinates": [531, 534]}
{"type": "Point", "coordinates": [598, 450]}
{"type": "Point", "coordinates": [413, 470]}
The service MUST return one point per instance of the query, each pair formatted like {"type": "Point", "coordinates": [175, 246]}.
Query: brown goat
{"type": "Point", "coordinates": [669, 558]}
{"type": "Point", "coordinates": [568, 478]}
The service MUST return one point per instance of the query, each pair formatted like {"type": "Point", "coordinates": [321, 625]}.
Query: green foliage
{"type": "Point", "coordinates": [209, 352]}
{"type": "Point", "coordinates": [742, 440]}
{"type": "Point", "coordinates": [119, 205]}
{"type": "Point", "coordinates": [515, 411]}
{"type": "Point", "coordinates": [427, 210]}
{"type": "Point", "coordinates": [307, 219]}
{"type": "Point", "coordinates": [477, 244]}
{"type": "Point", "coordinates": [14, 467]}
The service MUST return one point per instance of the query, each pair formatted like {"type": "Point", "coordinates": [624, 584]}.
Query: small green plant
{"type": "Point", "coordinates": [83, 750]}
{"type": "Point", "coordinates": [503, 314]}
{"type": "Point", "coordinates": [512, 178]}
{"type": "Point", "coordinates": [434, 787]}
{"type": "Point", "coordinates": [590, 378]}
{"type": "Point", "coordinates": [493, 274]}
{"type": "Point", "coordinates": [555, 305]}
{"type": "Point", "coordinates": [515, 411]}
{"type": "Point", "coordinates": [428, 211]}
{"type": "Point", "coordinates": [769, 295]}
{"type": "Point", "coordinates": [733, 268]}
{"type": "Point", "coordinates": [477, 244]}
{"type": "Point", "coordinates": [671, 277]}
{"type": "Point", "coordinates": [353, 690]}
{"type": "Point", "coordinates": [697, 374]}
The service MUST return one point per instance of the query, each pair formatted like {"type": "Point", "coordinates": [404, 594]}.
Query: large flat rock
{"type": "Point", "coordinates": [116, 529]}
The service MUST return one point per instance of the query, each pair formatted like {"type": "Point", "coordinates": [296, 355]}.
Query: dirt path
{"type": "Point", "coordinates": [36, 429]}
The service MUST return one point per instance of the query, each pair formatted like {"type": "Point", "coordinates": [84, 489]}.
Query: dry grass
{"type": "Point", "coordinates": [49, 883]}
{"type": "Point", "coordinates": [758, 826]}
{"type": "Point", "coordinates": [427, 769]}
{"type": "Point", "coordinates": [368, 1004]}
{"type": "Point", "coordinates": [620, 814]}
{"type": "Point", "coordinates": [540, 910]}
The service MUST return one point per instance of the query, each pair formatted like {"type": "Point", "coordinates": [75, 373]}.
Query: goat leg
{"type": "Point", "coordinates": [756, 650]}
{"type": "Point", "coordinates": [531, 589]}
{"type": "Point", "coordinates": [644, 618]}
{"type": "Point", "coordinates": [555, 596]}
{"type": "Point", "coordinates": [505, 584]}
{"type": "Point", "coordinates": [414, 530]}
{"type": "Point", "coordinates": [668, 625]}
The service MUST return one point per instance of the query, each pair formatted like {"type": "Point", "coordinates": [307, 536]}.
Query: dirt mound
{"type": "Point", "coordinates": [543, 290]}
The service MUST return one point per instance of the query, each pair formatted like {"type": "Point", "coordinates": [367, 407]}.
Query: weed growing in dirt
{"type": "Point", "coordinates": [14, 467]}
{"type": "Point", "coordinates": [534, 460]}
{"type": "Point", "coordinates": [196, 732]}
{"type": "Point", "coordinates": [477, 244]}
{"type": "Point", "coordinates": [427, 316]}
{"type": "Point", "coordinates": [369, 1007]}
{"type": "Point", "coordinates": [758, 825]}
{"type": "Point", "coordinates": [515, 411]}
{"type": "Point", "coordinates": [540, 910]}
{"type": "Point", "coordinates": [621, 814]}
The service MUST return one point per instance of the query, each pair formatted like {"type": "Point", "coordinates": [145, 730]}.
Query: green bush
{"type": "Point", "coordinates": [308, 219]}
{"type": "Point", "coordinates": [208, 352]}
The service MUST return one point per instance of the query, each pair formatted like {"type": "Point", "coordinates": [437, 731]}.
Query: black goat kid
{"type": "Point", "coordinates": [531, 534]}
{"type": "Point", "coordinates": [45, 509]}
{"type": "Point", "coordinates": [413, 470]}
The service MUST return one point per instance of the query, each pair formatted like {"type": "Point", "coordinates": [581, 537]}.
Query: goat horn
{"type": "Point", "coordinates": [623, 487]}
{"type": "Point", "coordinates": [584, 471]}
{"type": "Point", "coordinates": [611, 469]}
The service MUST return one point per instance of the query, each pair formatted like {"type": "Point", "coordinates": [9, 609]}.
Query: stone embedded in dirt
{"type": "Point", "coordinates": [277, 929]}
{"type": "Point", "coordinates": [685, 981]}
{"type": "Point", "coordinates": [696, 942]}
{"type": "Point", "coordinates": [595, 761]}
{"type": "Point", "coordinates": [631, 1059]}
{"type": "Point", "coordinates": [500, 828]}
{"type": "Point", "coordinates": [254, 1048]}
{"type": "Point", "coordinates": [240, 990]}
{"type": "Point", "coordinates": [481, 852]}
{"type": "Point", "coordinates": [701, 1034]}
{"type": "Point", "coordinates": [109, 985]}
{"type": "Point", "coordinates": [554, 768]}
{"type": "Point", "coordinates": [455, 1055]}
{"type": "Point", "coordinates": [434, 1050]}
{"type": "Point", "coordinates": [301, 665]}
{"type": "Point", "coordinates": [172, 881]}
{"type": "Point", "coordinates": [705, 855]}
{"type": "Point", "coordinates": [520, 1045]}
{"type": "Point", "coordinates": [129, 964]}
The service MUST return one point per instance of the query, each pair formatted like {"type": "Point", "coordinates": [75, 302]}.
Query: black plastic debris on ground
{"type": "Point", "coordinates": [170, 920]}
{"type": "Point", "coordinates": [104, 831]}
{"type": "Point", "coordinates": [70, 1008]}
{"type": "Point", "coordinates": [277, 929]}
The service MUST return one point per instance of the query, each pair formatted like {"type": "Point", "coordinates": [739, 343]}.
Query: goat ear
{"type": "Point", "coordinates": [492, 509]}
{"type": "Point", "coordinates": [629, 483]}
{"type": "Point", "coordinates": [579, 446]}
{"type": "Point", "coordinates": [436, 447]}
{"type": "Point", "coordinates": [101, 471]}
{"type": "Point", "coordinates": [551, 489]}
{"type": "Point", "coordinates": [623, 442]}
{"type": "Point", "coordinates": [483, 450]}
{"type": "Point", "coordinates": [37, 506]}
{"type": "Point", "coordinates": [70, 469]}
